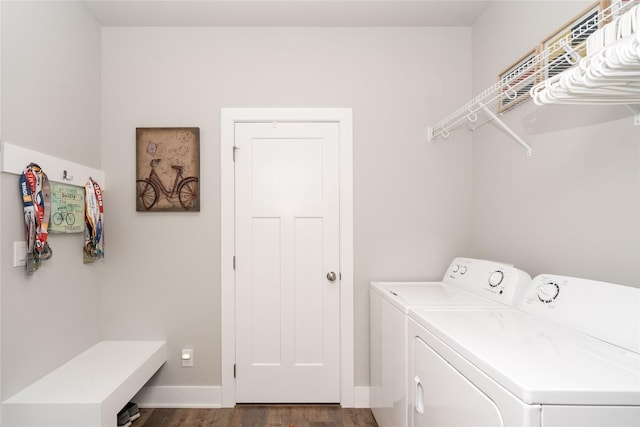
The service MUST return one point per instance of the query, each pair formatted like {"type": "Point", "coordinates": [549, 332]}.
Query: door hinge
{"type": "Point", "coordinates": [235, 147]}
{"type": "Point", "coordinates": [234, 262]}
{"type": "Point", "coordinates": [234, 370]}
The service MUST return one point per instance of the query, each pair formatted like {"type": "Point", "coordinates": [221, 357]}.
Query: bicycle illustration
{"type": "Point", "coordinates": [148, 190]}
{"type": "Point", "coordinates": [63, 214]}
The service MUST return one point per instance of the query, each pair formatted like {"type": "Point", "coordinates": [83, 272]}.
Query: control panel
{"type": "Point", "coordinates": [493, 280]}
{"type": "Point", "coordinates": [548, 291]}
{"type": "Point", "coordinates": [603, 310]}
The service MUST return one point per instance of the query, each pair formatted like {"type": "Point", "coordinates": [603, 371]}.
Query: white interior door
{"type": "Point", "coordinates": [287, 246]}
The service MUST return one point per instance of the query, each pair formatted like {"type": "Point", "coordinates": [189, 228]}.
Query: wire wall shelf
{"type": "Point", "coordinates": [557, 54]}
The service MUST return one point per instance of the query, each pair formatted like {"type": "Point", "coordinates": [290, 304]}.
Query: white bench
{"type": "Point", "coordinates": [90, 389]}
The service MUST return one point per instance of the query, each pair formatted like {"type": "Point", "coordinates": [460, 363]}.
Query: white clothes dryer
{"type": "Point", "coordinates": [567, 356]}
{"type": "Point", "coordinates": [467, 284]}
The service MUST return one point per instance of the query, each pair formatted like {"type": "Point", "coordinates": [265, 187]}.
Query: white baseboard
{"type": "Point", "coordinates": [361, 397]}
{"type": "Point", "coordinates": [207, 397]}
{"type": "Point", "coordinates": [179, 397]}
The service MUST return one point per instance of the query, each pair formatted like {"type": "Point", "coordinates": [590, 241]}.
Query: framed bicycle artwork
{"type": "Point", "coordinates": [517, 80]}
{"type": "Point", "coordinates": [168, 169]}
{"type": "Point", "coordinates": [67, 208]}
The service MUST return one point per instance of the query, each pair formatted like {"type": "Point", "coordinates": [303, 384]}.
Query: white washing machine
{"type": "Point", "coordinates": [567, 356]}
{"type": "Point", "coordinates": [467, 283]}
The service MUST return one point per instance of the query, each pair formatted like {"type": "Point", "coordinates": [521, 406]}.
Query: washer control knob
{"type": "Point", "coordinates": [463, 269]}
{"type": "Point", "coordinates": [496, 278]}
{"type": "Point", "coordinates": [548, 291]}
{"type": "Point", "coordinates": [455, 268]}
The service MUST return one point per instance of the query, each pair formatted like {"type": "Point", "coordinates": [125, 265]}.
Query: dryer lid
{"type": "Point", "coordinates": [537, 360]}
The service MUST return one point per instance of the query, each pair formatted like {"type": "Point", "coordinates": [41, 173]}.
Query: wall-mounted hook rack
{"type": "Point", "coordinates": [15, 158]}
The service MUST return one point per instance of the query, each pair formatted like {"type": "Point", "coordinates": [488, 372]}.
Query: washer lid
{"type": "Point", "coordinates": [429, 294]}
{"type": "Point", "coordinates": [539, 361]}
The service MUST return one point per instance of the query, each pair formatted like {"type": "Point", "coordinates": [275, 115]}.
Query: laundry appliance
{"type": "Point", "coordinates": [467, 284]}
{"type": "Point", "coordinates": [568, 355]}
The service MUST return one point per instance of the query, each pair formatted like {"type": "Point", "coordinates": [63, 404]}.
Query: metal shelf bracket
{"type": "Point", "coordinates": [507, 129]}
{"type": "Point", "coordinates": [473, 117]}
{"type": "Point", "coordinates": [636, 113]}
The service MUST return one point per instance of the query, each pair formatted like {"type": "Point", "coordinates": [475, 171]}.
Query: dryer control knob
{"type": "Point", "coordinates": [463, 269]}
{"type": "Point", "coordinates": [496, 278]}
{"type": "Point", "coordinates": [548, 291]}
{"type": "Point", "coordinates": [455, 268]}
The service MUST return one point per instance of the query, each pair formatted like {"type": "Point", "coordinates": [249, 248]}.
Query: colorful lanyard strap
{"type": "Point", "coordinates": [36, 201]}
{"type": "Point", "coordinates": [93, 220]}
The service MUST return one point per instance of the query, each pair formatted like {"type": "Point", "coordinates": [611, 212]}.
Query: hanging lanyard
{"type": "Point", "coordinates": [36, 201]}
{"type": "Point", "coordinates": [93, 214]}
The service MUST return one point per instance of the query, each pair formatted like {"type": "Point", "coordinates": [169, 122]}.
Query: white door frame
{"type": "Point", "coordinates": [229, 117]}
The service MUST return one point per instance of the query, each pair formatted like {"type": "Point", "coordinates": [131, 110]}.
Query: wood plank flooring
{"type": "Point", "coordinates": [258, 416]}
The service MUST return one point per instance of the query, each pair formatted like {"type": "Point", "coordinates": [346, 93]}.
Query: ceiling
{"type": "Point", "coordinates": [321, 13]}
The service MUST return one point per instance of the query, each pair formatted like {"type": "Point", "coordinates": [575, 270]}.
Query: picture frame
{"type": "Point", "coordinates": [560, 48]}
{"type": "Point", "coordinates": [613, 8]}
{"type": "Point", "coordinates": [67, 208]}
{"type": "Point", "coordinates": [168, 169]}
{"type": "Point", "coordinates": [517, 80]}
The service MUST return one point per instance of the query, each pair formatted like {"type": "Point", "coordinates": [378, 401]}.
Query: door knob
{"type": "Point", "coordinates": [331, 276]}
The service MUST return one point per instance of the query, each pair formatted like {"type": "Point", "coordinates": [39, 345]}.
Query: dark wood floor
{"type": "Point", "coordinates": [258, 416]}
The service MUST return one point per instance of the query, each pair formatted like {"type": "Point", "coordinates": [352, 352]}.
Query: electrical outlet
{"type": "Point", "coordinates": [187, 357]}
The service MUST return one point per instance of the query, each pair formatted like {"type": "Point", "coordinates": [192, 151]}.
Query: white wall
{"type": "Point", "coordinates": [50, 103]}
{"type": "Point", "coordinates": [573, 208]}
{"type": "Point", "coordinates": [412, 198]}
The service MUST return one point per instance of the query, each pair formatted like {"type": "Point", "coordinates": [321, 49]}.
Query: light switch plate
{"type": "Point", "coordinates": [19, 254]}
